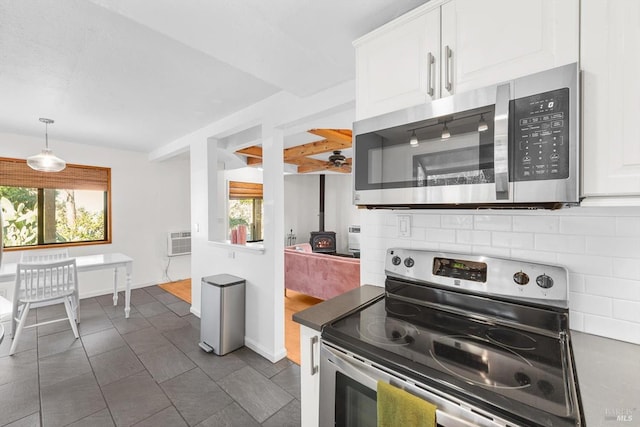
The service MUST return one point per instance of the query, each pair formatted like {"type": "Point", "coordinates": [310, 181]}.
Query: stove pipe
{"type": "Point", "coordinates": [321, 215]}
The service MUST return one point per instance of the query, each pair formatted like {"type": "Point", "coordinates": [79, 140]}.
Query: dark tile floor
{"type": "Point", "coordinates": [145, 371]}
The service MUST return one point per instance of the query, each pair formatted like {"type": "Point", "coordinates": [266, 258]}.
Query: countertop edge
{"type": "Point", "coordinates": [325, 312]}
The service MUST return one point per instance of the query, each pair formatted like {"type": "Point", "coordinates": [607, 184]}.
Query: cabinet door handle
{"type": "Point", "coordinates": [314, 368]}
{"type": "Point", "coordinates": [448, 55]}
{"type": "Point", "coordinates": [430, 64]}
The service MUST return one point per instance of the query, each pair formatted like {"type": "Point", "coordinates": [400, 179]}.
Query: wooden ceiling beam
{"type": "Point", "coordinates": [344, 135]}
{"type": "Point", "coordinates": [253, 151]}
{"type": "Point", "coordinates": [312, 148]}
{"type": "Point", "coordinates": [254, 161]}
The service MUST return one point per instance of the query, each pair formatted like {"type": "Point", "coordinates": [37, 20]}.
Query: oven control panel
{"type": "Point", "coordinates": [479, 274]}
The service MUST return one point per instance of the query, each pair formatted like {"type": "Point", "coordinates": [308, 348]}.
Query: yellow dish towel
{"type": "Point", "coordinates": [398, 408]}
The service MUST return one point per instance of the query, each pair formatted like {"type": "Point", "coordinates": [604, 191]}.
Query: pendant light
{"type": "Point", "coordinates": [46, 161]}
{"type": "Point", "coordinates": [445, 131]}
{"type": "Point", "coordinates": [414, 139]}
{"type": "Point", "coordinates": [482, 124]}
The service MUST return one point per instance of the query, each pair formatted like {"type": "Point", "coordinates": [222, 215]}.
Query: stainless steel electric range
{"type": "Point", "coordinates": [485, 339]}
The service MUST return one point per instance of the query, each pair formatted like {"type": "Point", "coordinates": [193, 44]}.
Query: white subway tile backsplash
{"type": "Point", "coordinates": [586, 264]}
{"type": "Point", "coordinates": [576, 283]}
{"type": "Point", "coordinates": [492, 222]}
{"type": "Point", "coordinates": [457, 221]}
{"type": "Point", "coordinates": [628, 226]}
{"type": "Point", "coordinates": [472, 237]}
{"type": "Point", "coordinates": [560, 243]}
{"type": "Point", "coordinates": [512, 240]}
{"type": "Point", "coordinates": [591, 304]}
{"type": "Point", "coordinates": [613, 288]}
{"type": "Point", "coordinates": [613, 246]}
{"type": "Point", "coordinates": [426, 221]}
{"type": "Point", "coordinates": [576, 321]}
{"type": "Point", "coordinates": [538, 224]}
{"type": "Point", "coordinates": [588, 226]}
{"type": "Point", "coordinates": [626, 268]}
{"type": "Point", "coordinates": [425, 245]}
{"type": "Point", "coordinates": [440, 235]}
{"type": "Point", "coordinates": [599, 246]}
{"type": "Point", "coordinates": [452, 247]}
{"type": "Point", "coordinates": [626, 310]}
{"type": "Point", "coordinates": [535, 256]}
{"type": "Point", "coordinates": [612, 328]}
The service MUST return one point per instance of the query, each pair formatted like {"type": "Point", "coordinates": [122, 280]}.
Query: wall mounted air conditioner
{"type": "Point", "coordinates": [179, 243]}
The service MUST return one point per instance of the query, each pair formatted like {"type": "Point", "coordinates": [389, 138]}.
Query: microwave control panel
{"type": "Point", "coordinates": [541, 136]}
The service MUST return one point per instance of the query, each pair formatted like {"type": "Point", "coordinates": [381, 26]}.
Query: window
{"type": "Point", "coordinates": [65, 208]}
{"type": "Point", "coordinates": [246, 208]}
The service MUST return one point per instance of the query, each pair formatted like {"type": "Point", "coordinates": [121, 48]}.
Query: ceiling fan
{"type": "Point", "coordinates": [337, 159]}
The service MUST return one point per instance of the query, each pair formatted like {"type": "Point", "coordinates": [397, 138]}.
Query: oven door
{"type": "Point", "coordinates": [348, 394]}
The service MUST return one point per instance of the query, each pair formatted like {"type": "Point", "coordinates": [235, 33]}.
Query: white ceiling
{"type": "Point", "coordinates": [137, 74]}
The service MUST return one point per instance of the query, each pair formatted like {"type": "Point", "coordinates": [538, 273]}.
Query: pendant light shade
{"type": "Point", "coordinates": [482, 124]}
{"type": "Point", "coordinates": [46, 161]}
{"type": "Point", "coordinates": [445, 131]}
{"type": "Point", "coordinates": [414, 139]}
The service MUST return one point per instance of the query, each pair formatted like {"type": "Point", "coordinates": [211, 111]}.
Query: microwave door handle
{"type": "Point", "coordinates": [501, 142]}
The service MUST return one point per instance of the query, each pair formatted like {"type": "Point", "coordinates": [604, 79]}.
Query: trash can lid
{"type": "Point", "coordinates": [222, 280]}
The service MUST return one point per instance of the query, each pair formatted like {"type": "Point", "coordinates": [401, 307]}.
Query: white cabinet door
{"type": "Point", "coordinates": [392, 65]}
{"type": "Point", "coordinates": [496, 40]}
{"type": "Point", "coordinates": [611, 97]}
{"type": "Point", "coordinates": [309, 376]}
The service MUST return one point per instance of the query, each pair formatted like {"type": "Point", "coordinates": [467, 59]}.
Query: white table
{"type": "Point", "coordinates": [91, 263]}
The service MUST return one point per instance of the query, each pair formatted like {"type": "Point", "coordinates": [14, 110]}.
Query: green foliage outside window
{"type": "Point", "coordinates": [70, 220]}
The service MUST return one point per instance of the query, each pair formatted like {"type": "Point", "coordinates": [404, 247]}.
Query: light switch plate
{"type": "Point", "coordinates": [404, 225]}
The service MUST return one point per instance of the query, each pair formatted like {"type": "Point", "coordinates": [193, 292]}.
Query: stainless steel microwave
{"type": "Point", "coordinates": [514, 144]}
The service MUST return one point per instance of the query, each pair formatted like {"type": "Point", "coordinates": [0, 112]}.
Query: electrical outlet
{"type": "Point", "coordinates": [404, 225]}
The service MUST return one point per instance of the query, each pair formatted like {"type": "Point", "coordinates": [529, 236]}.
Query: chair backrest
{"type": "Point", "coordinates": [46, 255]}
{"type": "Point", "coordinates": [45, 280]}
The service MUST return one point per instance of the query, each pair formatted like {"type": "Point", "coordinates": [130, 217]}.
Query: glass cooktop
{"type": "Point", "coordinates": [516, 371]}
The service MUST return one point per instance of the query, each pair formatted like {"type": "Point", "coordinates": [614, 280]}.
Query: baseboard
{"type": "Point", "coordinates": [195, 312]}
{"type": "Point", "coordinates": [273, 358]}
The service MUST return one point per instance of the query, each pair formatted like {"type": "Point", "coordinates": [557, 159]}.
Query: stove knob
{"type": "Point", "coordinates": [521, 278]}
{"type": "Point", "coordinates": [408, 262]}
{"type": "Point", "coordinates": [396, 260]}
{"type": "Point", "coordinates": [544, 281]}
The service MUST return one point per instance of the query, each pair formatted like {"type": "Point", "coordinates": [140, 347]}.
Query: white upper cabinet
{"type": "Point", "coordinates": [473, 44]}
{"type": "Point", "coordinates": [496, 40]}
{"type": "Point", "coordinates": [399, 66]}
{"type": "Point", "coordinates": [610, 46]}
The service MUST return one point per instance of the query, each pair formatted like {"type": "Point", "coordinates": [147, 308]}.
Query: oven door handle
{"type": "Point", "coordinates": [501, 141]}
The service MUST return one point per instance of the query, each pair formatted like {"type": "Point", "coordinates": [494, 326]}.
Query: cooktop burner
{"type": "Point", "coordinates": [388, 331]}
{"type": "Point", "coordinates": [512, 339]}
{"type": "Point", "coordinates": [402, 309]}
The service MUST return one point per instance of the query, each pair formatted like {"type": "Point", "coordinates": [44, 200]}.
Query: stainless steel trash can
{"type": "Point", "coordinates": [222, 313]}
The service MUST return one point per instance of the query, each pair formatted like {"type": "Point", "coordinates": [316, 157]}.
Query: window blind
{"type": "Point", "coordinates": [16, 173]}
{"type": "Point", "coordinates": [245, 190]}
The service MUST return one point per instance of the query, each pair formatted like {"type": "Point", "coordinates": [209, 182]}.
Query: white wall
{"type": "Point", "coordinates": [263, 271]}
{"type": "Point", "coordinates": [599, 246]}
{"type": "Point", "coordinates": [148, 200]}
{"type": "Point", "coordinates": [302, 206]}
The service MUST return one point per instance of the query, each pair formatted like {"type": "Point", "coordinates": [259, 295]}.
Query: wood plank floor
{"type": "Point", "coordinates": [293, 303]}
{"type": "Point", "coordinates": [180, 288]}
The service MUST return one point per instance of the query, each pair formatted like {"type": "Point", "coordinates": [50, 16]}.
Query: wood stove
{"type": "Point", "coordinates": [322, 241]}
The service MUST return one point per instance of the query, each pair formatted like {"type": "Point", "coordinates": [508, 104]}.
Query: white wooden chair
{"type": "Point", "coordinates": [51, 255]}
{"type": "Point", "coordinates": [42, 284]}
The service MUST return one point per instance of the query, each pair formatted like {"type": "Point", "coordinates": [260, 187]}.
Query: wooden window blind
{"type": "Point", "coordinates": [16, 173]}
{"type": "Point", "coordinates": [245, 190]}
